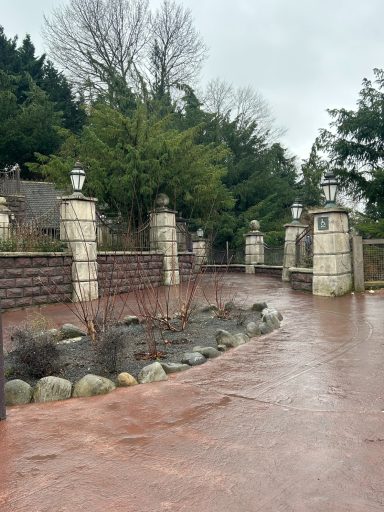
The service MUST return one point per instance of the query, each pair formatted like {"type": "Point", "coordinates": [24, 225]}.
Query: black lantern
{"type": "Point", "coordinates": [296, 210]}
{"type": "Point", "coordinates": [77, 177]}
{"type": "Point", "coordinates": [329, 186]}
{"type": "Point", "coordinates": [200, 233]}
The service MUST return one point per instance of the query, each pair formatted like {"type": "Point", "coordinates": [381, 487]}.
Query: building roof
{"type": "Point", "coordinates": [41, 200]}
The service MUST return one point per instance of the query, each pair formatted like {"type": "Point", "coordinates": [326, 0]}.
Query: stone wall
{"type": "Point", "coordinates": [28, 279]}
{"type": "Point", "coordinates": [269, 270]}
{"type": "Point", "coordinates": [121, 272]}
{"type": "Point", "coordinates": [224, 268]}
{"type": "Point", "coordinates": [186, 261]}
{"type": "Point", "coordinates": [301, 279]}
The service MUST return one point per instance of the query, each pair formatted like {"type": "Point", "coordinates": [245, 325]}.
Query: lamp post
{"type": "Point", "coordinates": [329, 186]}
{"type": "Point", "coordinates": [77, 178]}
{"type": "Point", "coordinates": [296, 210]}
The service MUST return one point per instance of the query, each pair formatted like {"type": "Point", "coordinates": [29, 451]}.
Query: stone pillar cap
{"type": "Point", "coordinates": [332, 209]}
{"type": "Point", "coordinates": [79, 197]}
{"type": "Point", "coordinates": [295, 225]}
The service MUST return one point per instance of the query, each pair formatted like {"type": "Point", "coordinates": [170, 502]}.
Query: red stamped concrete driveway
{"type": "Point", "coordinates": [293, 421]}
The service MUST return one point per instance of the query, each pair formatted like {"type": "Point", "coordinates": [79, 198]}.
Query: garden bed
{"type": "Point", "coordinates": [81, 357]}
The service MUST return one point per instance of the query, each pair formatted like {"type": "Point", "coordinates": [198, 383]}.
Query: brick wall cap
{"type": "Point", "coordinates": [32, 254]}
{"type": "Point", "coordinates": [123, 253]}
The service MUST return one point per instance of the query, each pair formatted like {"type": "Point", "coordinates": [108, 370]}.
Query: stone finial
{"type": "Point", "coordinates": [254, 225]}
{"type": "Point", "coordinates": [162, 200]}
{"type": "Point", "coordinates": [3, 201]}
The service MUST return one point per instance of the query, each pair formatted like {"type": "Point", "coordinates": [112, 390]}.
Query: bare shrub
{"type": "Point", "coordinates": [108, 349]}
{"type": "Point", "coordinates": [36, 353]}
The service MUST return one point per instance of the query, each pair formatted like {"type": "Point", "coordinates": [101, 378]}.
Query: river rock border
{"type": "Point", "coordinates": [51, 388]}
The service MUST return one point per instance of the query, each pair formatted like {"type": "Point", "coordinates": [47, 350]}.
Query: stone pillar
{"type": "Point", "coordinates": [292, 231]}
{"type": "Point", "coordinates": [5, 214]}
{"type": "Point", "coordinates": [163, 238]}
{"type": "Point", "coordinates": [254, 247]}
{"type": "Point", "coordinates": [332, 269]}
{"type": "Point", "coordinates": [199, 248]}
{"type": "Point", "coordinates": [78, 228]}
{"type": "Point", "coordinates": [358, 263]}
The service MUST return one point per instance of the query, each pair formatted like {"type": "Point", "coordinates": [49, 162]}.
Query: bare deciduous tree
{"type": "Point", "coordinates": [99, 41]}
{"type": "Point", "coordinates": [176, 50]}
{"type": "Point", "coordinates": [244, 104]}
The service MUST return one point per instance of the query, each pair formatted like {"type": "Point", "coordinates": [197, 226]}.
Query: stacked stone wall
{"type": "Point", "coordinates": [30, 279]}
{"type": "Point", "coordinates": [124, 272]}
{"type": "Point", "coordinates": [301, 280]}
{"type": "Point", "coordinates": [186, 263]}
{"type": "Point", "coordinates": [271, 271]}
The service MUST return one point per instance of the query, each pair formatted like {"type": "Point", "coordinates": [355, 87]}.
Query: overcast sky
{"type": "Point", "coordinates": [303, 56]}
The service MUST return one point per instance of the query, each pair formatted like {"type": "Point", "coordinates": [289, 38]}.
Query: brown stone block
{"type": "Point", "coordinates": [23, 262]}
{"type": "Point", "coordinates": [32, 291]}
{"type": "Point", "coordinates": [40, 262]}
{"type": "Point", "coordinates": [55, 261]}
{"type": "Point", "coordinates": [13, 272]}
{"type": "Point", "coordinates": [40, 280]}
{"type": "Point", "coordinates": [7, 283]}
{"type": "Point", "coordinates": [14, 292]}
{"type": "Point", "coordinates": [24, 302]}
{"type": "Point", "coordinates": [23, 282]}
{"type": "Point", "coordinates": [32, 272]}
{"type": "Point", "coordinates": [7, 262]}
{"type": "Point", "coordinates": [8, 303]}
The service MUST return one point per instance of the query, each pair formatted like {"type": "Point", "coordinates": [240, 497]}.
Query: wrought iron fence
{"type": "Point", "coordinates": [273, 256]}
{"type": "Point", "coordinates": [117, 234]}
{"type": "Point", "coordinates": [373, 256]}
{"type": "Point", "coordinates": [304, 249]}
{"type": "Point", "coordinates": [29, 237]}
{"type": "Point", "coordinates": [10, 180]}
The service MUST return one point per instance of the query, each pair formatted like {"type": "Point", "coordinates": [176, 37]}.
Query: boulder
{"type": "Point", "coordinates": [193, 358]}
{"type": "Point", "coordinates": [253, 329]}
{"type": "Point", "coordinates": [208, 352]}
{"type": "Point", "coordinates": [174, 367]}
{"type": "Point", "coordinates": [265, 328]}
{"type": "Point", "coordinates": [125, 379]}
{"type": "Point", "coordinates": [231, 340]}
{"type": "Point", "coordinates": [222, 348]}
{"type": "Point", "coordinates": [152, 373]}
{"type": "Point", "coordinates": [270, 316]}
{"type": "Point", "coordinates": [259, 306]}
{"type": "Point", "coordinates": [68, 341]}
{"type": "Point", "coordinates": [49, 389]}
{"type": "Point", "coordinates": [71, 331]}
{"type": "Point", "coordinates": [17, 392]}
{"type": "Point", "coordinates": [130, 320]}
{"type": "Point", "coordinates": [91, 385]}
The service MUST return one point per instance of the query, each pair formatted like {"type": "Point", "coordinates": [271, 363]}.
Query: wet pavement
{"type": "Point", "coordinates": [293, 422]}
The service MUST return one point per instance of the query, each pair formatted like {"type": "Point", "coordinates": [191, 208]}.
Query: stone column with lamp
{"type": "Point", "coordinates": [254, 247]}
{"type": "Point", "coordinates": [78, 229]}
{"type": "Point", "coordinates": [199, 249]}
{"type": "Point", "coordinates": [292, 231]}
{"type": "Point", "coordinates": [163, 237]}
{"type": "Point", "coordinates": [332, 263]}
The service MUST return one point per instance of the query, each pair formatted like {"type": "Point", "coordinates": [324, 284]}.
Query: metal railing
{"type": "Point", "coordinates": [273, 256]}
{"type": "Point", "coordinates": [373, 257]}
{"type": "Point", "coordinates": [304, 249]}
{"type": "Point", "coordinates": [29, 237]}
{"type": "Point", "coordinates": [117, 234]}
{"type": "Point", "coordinates": [10, 180]}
